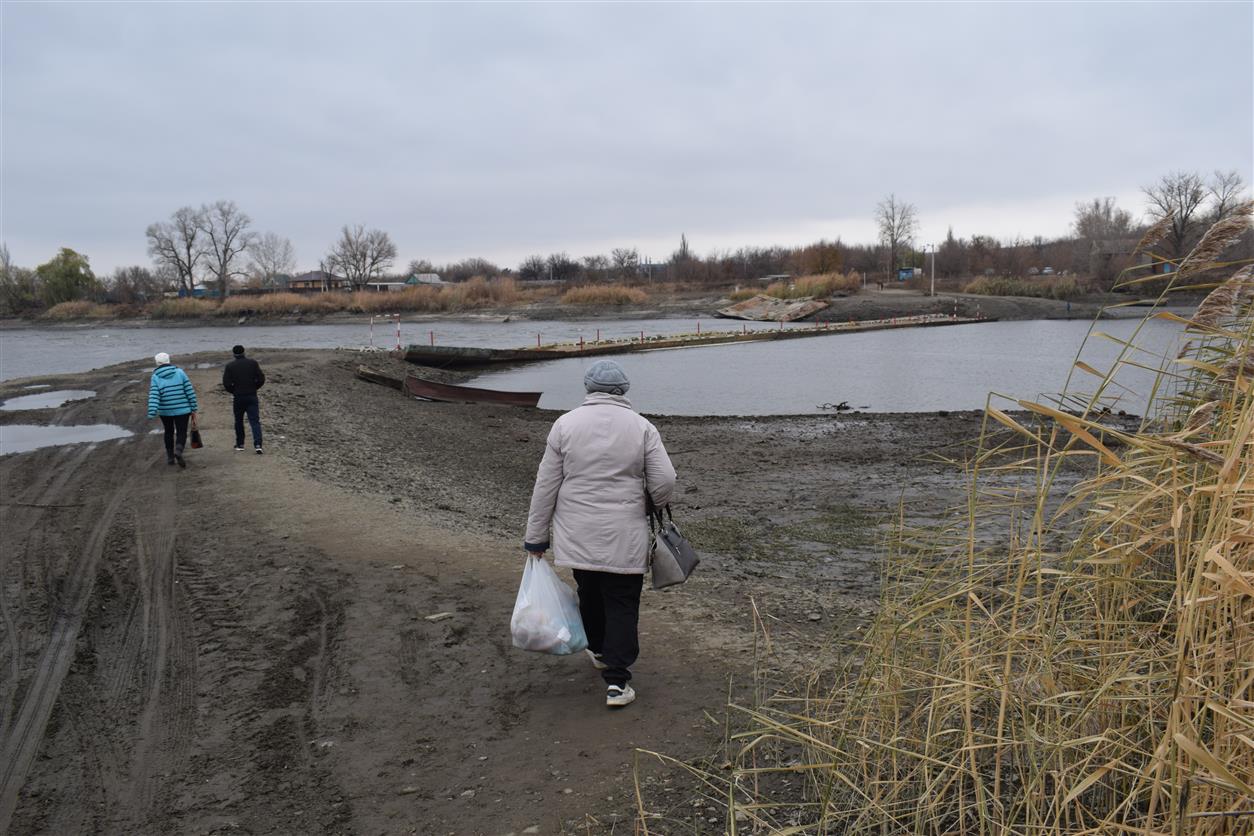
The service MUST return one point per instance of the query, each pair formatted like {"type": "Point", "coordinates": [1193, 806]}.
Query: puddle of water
{"type": "Point", "coordinates": [22, 438]}
{"type": "Point", "coordinates": [46, 400]}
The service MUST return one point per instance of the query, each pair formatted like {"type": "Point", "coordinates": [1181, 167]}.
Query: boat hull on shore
{"type": "Point", "coordinates": [433, 391]}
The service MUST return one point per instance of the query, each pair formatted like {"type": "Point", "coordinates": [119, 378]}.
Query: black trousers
{"type": "Point", "coordinates": [247, 405]}
{"type": "Point", "coordinates": [175, 432]}
{"type": "Point", "coordinates": [610, 606]}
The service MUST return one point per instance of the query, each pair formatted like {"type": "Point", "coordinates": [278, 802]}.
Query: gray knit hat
{"type": "Point", "coordinates": [606, 376]}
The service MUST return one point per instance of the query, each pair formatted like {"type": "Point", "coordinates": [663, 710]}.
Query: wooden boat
{"type": "Point", "coordinates": [433, 391]}
{"type": "Point", "coordinates": [368, 374]}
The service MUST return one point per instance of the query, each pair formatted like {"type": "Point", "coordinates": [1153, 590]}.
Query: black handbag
{"type": "Point", "coordinates": [672, 557]}
{"type": "Point", "coordinates": [197, 443]}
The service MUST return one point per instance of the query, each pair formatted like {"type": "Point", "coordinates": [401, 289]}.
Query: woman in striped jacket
{"type": "Point", "coordinates": [172, 398]}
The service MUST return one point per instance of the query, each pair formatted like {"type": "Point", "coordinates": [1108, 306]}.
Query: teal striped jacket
{"type": "Point", "coordinates": [171, 392]}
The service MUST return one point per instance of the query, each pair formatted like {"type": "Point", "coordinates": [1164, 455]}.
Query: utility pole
{"type": "Point", "coordinates": [933, 246]}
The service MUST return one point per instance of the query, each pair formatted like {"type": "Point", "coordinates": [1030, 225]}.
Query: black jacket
{"type": "Point", "coordinates": [243, 376]}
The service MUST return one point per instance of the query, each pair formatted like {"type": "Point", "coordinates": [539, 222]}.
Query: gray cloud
{"type": "Point", "coordinates": [499, 130]}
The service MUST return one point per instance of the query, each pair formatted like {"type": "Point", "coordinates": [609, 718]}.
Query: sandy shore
{"type": "Point", "coordinates": [316, 640]}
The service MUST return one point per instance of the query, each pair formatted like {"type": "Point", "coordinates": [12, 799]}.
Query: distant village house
{"type": "Point", "coordinates": [317, 281]}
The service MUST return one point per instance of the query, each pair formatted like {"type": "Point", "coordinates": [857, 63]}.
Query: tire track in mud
{"type": "Point", "coordinates": [22, 739]}
{"type": "Point", "coordinates": [164, 654]}
{"type": "Point", "coordinates": [24, 524]}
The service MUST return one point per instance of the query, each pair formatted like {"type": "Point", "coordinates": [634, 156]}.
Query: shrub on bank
{"type": "Point", "coordinates": [604, 295]}
{"type": "Point", "coordinates": [280, 304]}
{"type": "Point", "coordinates": [80, 309]}
{"type": "Point", "coordinates": [1039, 289]}
{"type": "Point", "coordinates": [819, 286]}
{"type": "Point", "coordinates": [185, 308]}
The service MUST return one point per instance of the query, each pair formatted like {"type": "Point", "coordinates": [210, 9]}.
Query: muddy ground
{"type": "Point", "coordinates": [316, 640]}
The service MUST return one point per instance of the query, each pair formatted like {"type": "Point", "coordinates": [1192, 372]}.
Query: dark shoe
{"type": "Point", "coordinates": [178, 457]}
{"type": "Point", "coordinates": [257, 450]}
{"type": "Point", "coordinates": [239, 448]}
{"type": "Point", "coordinates": [169, 459]}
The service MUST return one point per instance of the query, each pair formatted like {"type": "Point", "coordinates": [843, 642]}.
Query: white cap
{"type": "Point", "coordinates": [162, 358]}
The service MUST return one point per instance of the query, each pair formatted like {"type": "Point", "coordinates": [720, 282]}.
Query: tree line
{"type": "Point", "coordinates": [216, 244]}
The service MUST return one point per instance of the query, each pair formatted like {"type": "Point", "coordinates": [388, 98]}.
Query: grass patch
{"type": "Point", "coordinates": [185, 308]}
{"type": "Point", "coordinates": [81, 309]}
{"type": "Point", "coordinates": [1039, 288]}
{"type": "Point", "coordinates": [818, 286]}
{"type": "Point", "coordinates": [610, 294]}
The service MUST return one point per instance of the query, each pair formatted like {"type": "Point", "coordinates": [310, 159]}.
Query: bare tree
{"type": "Point", "coordinates": [898, 222]}
{"type": "Point", "coordinates": [361, 254]}
{"type": "Point", "coordinates": [561, 267]}
{"type": "Point", "coordinates": [272, 255]}
{"type": "Point", "coordinates": [1227, 191]}
{"type": "Point", "coordinates": [133, 285]}
{"type": "Point", "coordinates": [1178, 196]}
{"type": "Point", "coordinates": [179, 245]}
{"type": "Point", "coordinates": [533, 268]}
{"type": "Point", "coordinates": [595, 267]}
{"type": "Point", "coordinates": [226, 233]}
{"type": "Point", "coordinates": [626, 261]}
{"type": "Point", "coordinates": [419, 266]}
{"type": "Point", "coordinates": [466, 269]}
{"type": "Point", "coordinates": [1100, 219]}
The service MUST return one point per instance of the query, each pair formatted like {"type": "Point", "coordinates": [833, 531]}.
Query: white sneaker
{"type": "Point", "coordinates": [616, 696]}
{"type": "Point", "coordinates": [596, 660]}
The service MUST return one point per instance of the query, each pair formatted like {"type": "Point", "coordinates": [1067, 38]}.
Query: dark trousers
{"type": "Point", "coordinates": [175, 432]}
{"type": "Point", "coordinates": [610, 606]}
{"type": "Point", "coordinates": [247, 405]}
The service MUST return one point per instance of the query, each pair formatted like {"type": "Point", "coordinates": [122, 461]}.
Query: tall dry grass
{"type": "Point", "coordinates": [469, 295]}
{"type": "Point", "coordinates": [819, 286]}
{"type": "Point", "coordinates": [81, 309]}
{"type": "Point", "coordinates": [610, 294]}
{"type": "Point", "coordinates": [1052, 660]}
{"type": "Point", "coordinates": [185, 308]}
{"type": "Point", "coordinates": [1066, 288]}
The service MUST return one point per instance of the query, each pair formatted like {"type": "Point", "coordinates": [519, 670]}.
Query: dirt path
{"type": "Point", "coordinates": [240, 647]}
{"type": "Point", "coordinates": [245, 646]}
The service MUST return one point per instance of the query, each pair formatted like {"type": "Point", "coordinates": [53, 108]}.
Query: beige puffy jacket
{"type": "Point", "coordinates": [598, 462]}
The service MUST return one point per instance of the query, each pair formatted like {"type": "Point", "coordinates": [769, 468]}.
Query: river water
{"type": "Point", "coordinates": [907, 370]}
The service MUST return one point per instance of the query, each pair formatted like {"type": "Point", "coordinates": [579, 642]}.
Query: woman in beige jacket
{"type": "Point", "coordinates": [589, 507]}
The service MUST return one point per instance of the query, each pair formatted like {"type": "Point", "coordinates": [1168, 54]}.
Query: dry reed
{"type": "Point", "coordinates": [818, 286]}
{"type": "Point", "coordinates": [1066, 288]}
{"type": "Point", "coordinates": [610, 294]}
{"type": "Point", "coordinates": [80, 309]}
{"type": "Point", "coordinates": [1052, 660]}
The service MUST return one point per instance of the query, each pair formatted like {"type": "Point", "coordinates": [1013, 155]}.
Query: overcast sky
{"type": "Point", "coordinates": [506, 130]}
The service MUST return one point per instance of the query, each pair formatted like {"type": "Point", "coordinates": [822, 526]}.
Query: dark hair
{"type": "Point", "coordinates": [239, 349]}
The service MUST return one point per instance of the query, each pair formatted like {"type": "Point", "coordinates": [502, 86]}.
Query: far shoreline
{"type": "Point", "coordinates": [868, 304]}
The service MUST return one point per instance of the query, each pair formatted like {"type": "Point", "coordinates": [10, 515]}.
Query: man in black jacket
{"type": "Point", "coordinates": [242, 377]}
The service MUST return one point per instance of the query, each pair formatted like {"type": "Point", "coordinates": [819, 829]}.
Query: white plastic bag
{"type": "Point", "coordinates": [546, 614]}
